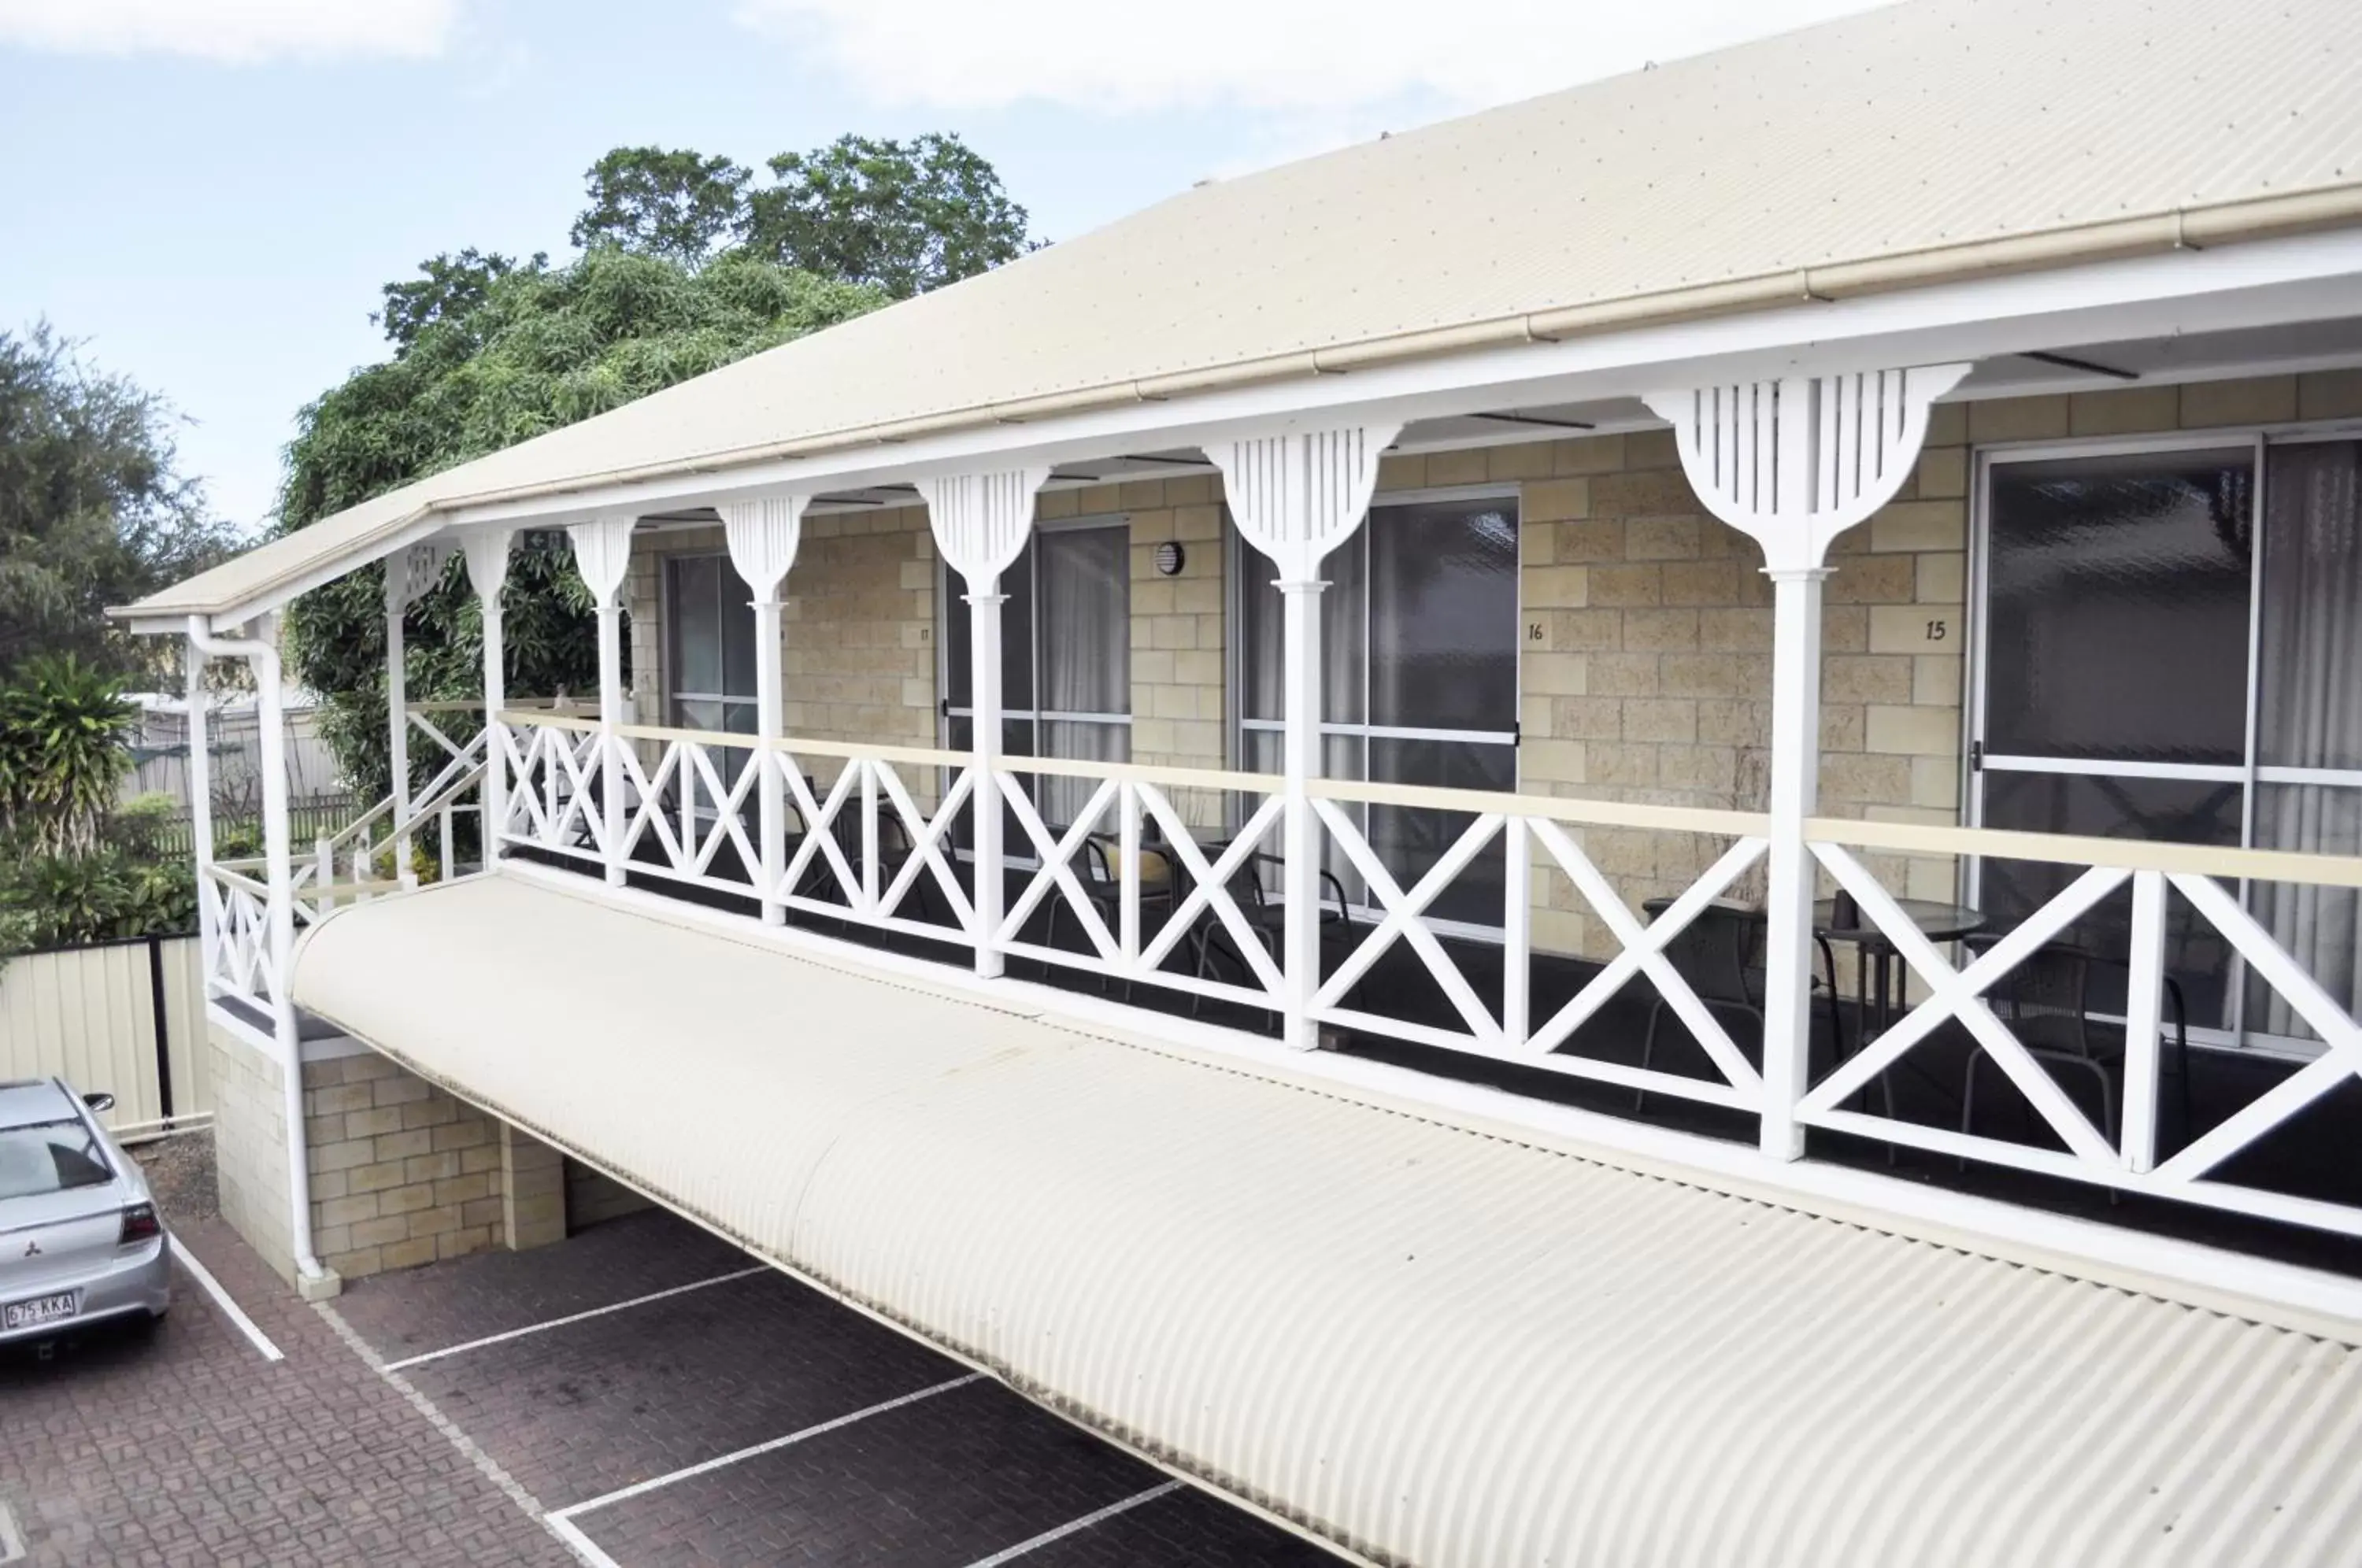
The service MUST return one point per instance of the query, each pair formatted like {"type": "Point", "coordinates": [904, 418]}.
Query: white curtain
{"type": "Point", "coordinates": [1083, 599]}
{"type": "Point", "coordinates": [2310, 710]}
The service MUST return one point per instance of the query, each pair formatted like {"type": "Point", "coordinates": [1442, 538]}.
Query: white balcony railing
{"type": "Point", "coordinates": [1164, 877]}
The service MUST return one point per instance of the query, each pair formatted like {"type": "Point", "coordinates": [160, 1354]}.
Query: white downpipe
{"type": "Point", "coordinates": [1794, 787]}
{"type": "Point", "coordinates": [397, 716]}
{"type": "Point", "coordinates": [984, 600]}
{"type": "Point", "coordinates": [200, 802]}
{"type": "Point", "coordinates": [279, 878]}
{"type": "Point", "coordinates": [1300, 763]}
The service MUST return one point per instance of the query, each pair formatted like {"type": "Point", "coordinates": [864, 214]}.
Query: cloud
{"type": "Point", "coordinates": [233, 31]}
{"type": "Point", "coordinates": [1297, 57]}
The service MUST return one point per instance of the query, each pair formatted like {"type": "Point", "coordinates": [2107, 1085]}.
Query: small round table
{"type": "Point", "coordinates": [1880, 996]}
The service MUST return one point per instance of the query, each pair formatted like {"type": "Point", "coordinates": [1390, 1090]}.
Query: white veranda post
{"type": "Point", "coordinates": [762, 537]}
{"type": "Point", "coordinates": [1793, 463]}
{"type": "Point", "coordinates": [1295, 498]}
{"type": "Point", "coordinates": [261, 652]}
{"type": "Point", "coordinates": [602, 553]}
{"type": "Point", "coordinates": [980, 522]}
{"type": "Point", "coordinates": [408, 575]}
{"type": "Point", "coordinates": [487, 551]}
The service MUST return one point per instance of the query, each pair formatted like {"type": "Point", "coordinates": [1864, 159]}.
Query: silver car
{"type": "Point", "coordinates": [80, 1240]}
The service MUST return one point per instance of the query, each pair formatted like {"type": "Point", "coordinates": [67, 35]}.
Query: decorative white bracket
{"type": "Point", "coordinates": [762, 537]}
{"type": "Point", "coordinates": [1297, 497]}
{"type": "Point", "coordinates": [487, 550]}
{"type": "Point", "coordinates": [603, 554]}
{"type": "Point", "coordinates": [409, 572]}
{"type": "Point", "coordinates": [981, 521]}
{"type": "Point", "coordinates": [1794, 462]}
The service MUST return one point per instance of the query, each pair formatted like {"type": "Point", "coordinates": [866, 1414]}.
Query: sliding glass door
{"type": "Point", "coordinates": [1065, 657]}
{"type": "Point", "coordinates": [1419, 670]}
{"type": "Point", "coordinates": [2169, 641]}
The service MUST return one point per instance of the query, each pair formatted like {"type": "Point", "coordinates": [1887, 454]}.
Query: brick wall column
{"type": "Point", "coordinates": [533, 1191]}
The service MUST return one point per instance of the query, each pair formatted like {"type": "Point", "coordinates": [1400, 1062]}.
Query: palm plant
{"type": "Point", "coordinates": [64, 747]}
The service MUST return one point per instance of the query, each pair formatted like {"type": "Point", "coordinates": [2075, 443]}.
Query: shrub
{"type": "Point", "coordinates": [64, 747]}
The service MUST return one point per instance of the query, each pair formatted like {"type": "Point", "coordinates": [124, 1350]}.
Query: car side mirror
{"type": "Point", "coordinates": [101, 1102]}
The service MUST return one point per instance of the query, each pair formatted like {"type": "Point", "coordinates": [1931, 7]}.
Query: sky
{"type": "Point", "coordinates": [209, 195]}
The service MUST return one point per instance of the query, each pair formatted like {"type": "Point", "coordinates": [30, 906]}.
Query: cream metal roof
{"type": "Point", "coordinates": [1435, 1344]}
{"type": "Point", "coordinates": [1927, 141]}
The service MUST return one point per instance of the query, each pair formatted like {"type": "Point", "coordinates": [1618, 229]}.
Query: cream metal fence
{"type": "Point", "coordinates": [124, 1017]}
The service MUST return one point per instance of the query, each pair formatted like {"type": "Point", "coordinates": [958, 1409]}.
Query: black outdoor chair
{"type": "Point", "coordinates": [1100, 853]}
{"type": "Point", "coordinates": [1265, 917]}
{"type": "Point", "coordinates": [1719, 955]}
{"type": "Point", "coordinates": [894, 851]}
{"type": "Point", "coordinates": [2045, 1002]}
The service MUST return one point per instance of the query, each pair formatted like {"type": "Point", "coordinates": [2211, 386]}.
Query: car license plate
{"type": "Point", "coordinates": [38, 1310]}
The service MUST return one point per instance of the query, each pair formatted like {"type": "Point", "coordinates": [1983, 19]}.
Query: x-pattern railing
{"type": "Point", "coordinates": [1125, 803]}
{"type": "Point", "coordinates": [1961, 995]}
{"type": "Point", "coordinates": [239, 916]}
{"type": "Point", "coordinates": [871, 792]}
{"type": "Point", "coordinates": [1522, 826]}
{"type": "Point", "coordinates": [694, 804]}
{"type": "Point", "coordinates": [554, 783]}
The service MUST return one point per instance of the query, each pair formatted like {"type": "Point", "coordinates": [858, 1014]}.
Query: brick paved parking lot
{"type": "Point", "coordinates": [642, 1394]}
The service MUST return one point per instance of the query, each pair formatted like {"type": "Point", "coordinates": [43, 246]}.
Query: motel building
{"type": "Point", "coordinates": [1624, 832]}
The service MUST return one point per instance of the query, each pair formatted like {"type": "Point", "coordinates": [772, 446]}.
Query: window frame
{"type": "Point", "coordinates": [668, 660]}
{"type": "Point", "coordinates": [2248, 773]}
{"type": "Point", "coordinates": [948, 583]}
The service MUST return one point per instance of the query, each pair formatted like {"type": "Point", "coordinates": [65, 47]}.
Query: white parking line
{"type": "Point", "coordinates": [11, 1544]}
{"type": "Point", "coordinates": [562, 1522]}
{"type": "Point", "coordinates": [230, 1310]}
{"type": "Point", "coordinates": [574, 1317]}
{"type": "Point", "coordinates": [1011, 1553]}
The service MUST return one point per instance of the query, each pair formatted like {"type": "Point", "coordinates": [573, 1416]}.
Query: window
{"type": "Point", "coordinates": [2170, 651]}
{"type": "Point", "coordinates": [1420, 673]}
{"type": "Point", "coordinates": [1065, 656]}
{"type": "Point", "coordinates": [709, 668]}
{"type": "Point", "coordinates": [50, 1156]}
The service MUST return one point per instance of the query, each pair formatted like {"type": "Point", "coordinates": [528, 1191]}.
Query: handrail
{"type": "Point", "coordinates": [476, 705]}
{"type": "Point", "coordinates": [222, 872]}
{"type": "Point", "coordinates": [2069, 849]}
{"type": "Point", "coordinates": [1557, 807]}
{"type": "Point", "coordinates": [2076, 849]}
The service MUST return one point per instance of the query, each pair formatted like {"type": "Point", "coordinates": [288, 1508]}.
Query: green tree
{"type": "Point", "coordinates": [93, 508]}
{"type": "Point", "coordinates": [678, 204]}
{"type": "Point", "coordinates": [543, 348]}
{"type": "Point", "coordinates": [904, 216]}
{"type": "Point", "coordinates": [452, 287]}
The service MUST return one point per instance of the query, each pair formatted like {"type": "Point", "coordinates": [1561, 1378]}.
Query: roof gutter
{"type": "Point", "coordinates": [2196, 227]}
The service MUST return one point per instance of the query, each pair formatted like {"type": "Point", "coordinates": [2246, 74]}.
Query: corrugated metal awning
{"type": "Point", "coordinates": [1435, 1344]}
